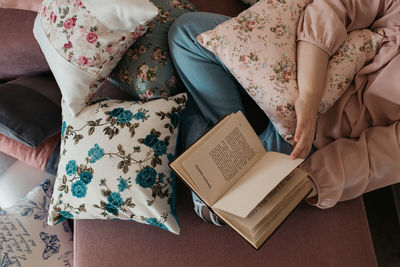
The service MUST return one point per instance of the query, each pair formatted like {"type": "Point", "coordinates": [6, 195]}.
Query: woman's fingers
{"type": "Point", "coordinates": [298, 138]}
{"type": "Point", "coordinates": [305, 130]}
{"type": "Point", "coordinates": [297, 133]}
{"type": "Point", "coordinates": [299, 128]}
{"type": "Point", "coordinates": [302, 147]}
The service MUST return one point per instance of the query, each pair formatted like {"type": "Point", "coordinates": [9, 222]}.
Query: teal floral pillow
{"type": "Point", "coordinates": [114, 163]}
{"type": "Point", "coordinates": [146, 71]}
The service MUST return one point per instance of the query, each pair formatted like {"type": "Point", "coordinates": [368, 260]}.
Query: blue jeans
{"type": "Point", "coordinates": [212, 90]}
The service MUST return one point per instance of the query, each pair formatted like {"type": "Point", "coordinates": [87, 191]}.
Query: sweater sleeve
{"type": "Point", "coordinates": [347, 168]}
{"type": "Point", "coordinates": [325, 23]}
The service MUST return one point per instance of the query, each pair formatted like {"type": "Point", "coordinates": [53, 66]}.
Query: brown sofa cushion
{"type": "Point", "coordinates": [19, 52]}
{"type": "Point", "coordinates": [309, 237]}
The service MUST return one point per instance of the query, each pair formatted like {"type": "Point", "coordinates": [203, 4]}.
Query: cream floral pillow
{"type": "Point", "coordinates": [114, 163]}
{"type": "Point", "coordinates": [259, 48]}
{"type": "Point", "coordinates": [83, 40]}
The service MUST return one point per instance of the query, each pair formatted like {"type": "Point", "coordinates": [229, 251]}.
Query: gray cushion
{"type": "Point", "coordinates": [26, 115]}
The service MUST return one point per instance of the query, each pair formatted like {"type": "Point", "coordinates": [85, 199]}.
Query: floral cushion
{"type": "Point", "coordinates": [25, 237]}
{"type": "Point", "coordinates": [146, 71]}
{"type": "Point", "coordinates": [84, 40]}
{"type": "Point", "coordinates": [114, 163]}
{"type": "Point", "coordinates": [259, 49]}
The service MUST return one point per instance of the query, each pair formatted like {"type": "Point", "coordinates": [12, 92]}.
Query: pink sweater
{"type": "Point", "coordinates": [358, 139]}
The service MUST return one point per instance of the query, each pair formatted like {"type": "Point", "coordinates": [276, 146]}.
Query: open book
{"type": "Point", "coordinates": [252, 190]}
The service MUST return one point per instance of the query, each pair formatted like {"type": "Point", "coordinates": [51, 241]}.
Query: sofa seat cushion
{"type": "Point", "coordinates": [20, 54]}
{"type": "Point", "coordinates": [309, 237]}
{"type": "Point", "coordinates": [33, 5]}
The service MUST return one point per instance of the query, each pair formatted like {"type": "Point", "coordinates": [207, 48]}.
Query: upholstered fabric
{"type": "Point", "coordinates": [27, 239]}
{"type": "Point", "coordinates": [20, 54]}
{"type": "Point", "coordinates": [224, 7]}
{"type": "Point", "coordinates": [32, 5]}
{"type": "Point", "coordinates": [114, 163]}
{"type": "Point", "coordinates": [83, 41]}
{"type": "Point", "coordinates": [146, 71]}
{"type": "Point", "coordinates": [250, 2]}
{"type": "Point", "coordinates": [259, 49]}
{"type": "Point", "coordinates": [309, 237]}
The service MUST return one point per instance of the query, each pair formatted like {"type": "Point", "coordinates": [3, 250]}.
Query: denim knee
{"type": "Point", "coordinates": [178, 33]}
{"type": "Point", "coordinates": [187, 27]}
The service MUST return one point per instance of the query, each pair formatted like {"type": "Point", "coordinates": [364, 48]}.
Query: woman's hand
{"type": "Point", "coordinates": [306, 113]}
{"type": "Point", "coordinates": [312, 63]}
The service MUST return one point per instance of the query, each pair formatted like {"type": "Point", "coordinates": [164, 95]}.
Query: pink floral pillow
{"type": "Point", "coordinates": [83, 40]}
{"type": "Point", "coordinates": [259, 49]}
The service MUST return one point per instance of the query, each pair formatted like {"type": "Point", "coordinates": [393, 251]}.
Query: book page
{"type": "Point", "coordinates": [255, 184]}
{"type": "Point", "coordinates": [257, 233]}
{"type": "Point", "coordinates": [266, 229]}
{"type": "Point", "coordinates": [272, 200]}
{"type": "Point", "coordinates": [222, 159]}
{"type": "Point", "coordinates": [176, 165]}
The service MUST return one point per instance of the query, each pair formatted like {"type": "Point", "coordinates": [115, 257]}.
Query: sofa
{"type": "Point", "coordinates": [309, 237]}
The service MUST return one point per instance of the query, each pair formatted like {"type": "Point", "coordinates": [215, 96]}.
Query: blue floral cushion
{"type": "Point", "coordinates": [114, 163]}
{"type": "Point", "coordinates": [146, 71]}
{"type": "Point", "coordinates": [27, 239]}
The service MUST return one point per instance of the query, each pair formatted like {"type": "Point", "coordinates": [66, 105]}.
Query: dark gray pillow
{"type": "Point", "coordinates": [146, 71]}
{"type": "Point", "coordinates": [26, 115]}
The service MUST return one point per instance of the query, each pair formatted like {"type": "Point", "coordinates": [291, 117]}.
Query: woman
{"type": "Point", "coordinates": [357, 140]}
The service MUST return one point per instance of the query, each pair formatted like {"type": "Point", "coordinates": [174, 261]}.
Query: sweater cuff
{"type": "Point", "coordinates": [326, 195]}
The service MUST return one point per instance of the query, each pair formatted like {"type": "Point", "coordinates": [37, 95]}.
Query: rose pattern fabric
{"type": "Point", "coordinates": [146, 71]}
{"type": "Point", "coordinates": [80, 38]}
{"type": "Point", "coordinates": [114, 163]}
{"type": "Point", "coordinates": [259, 49]}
